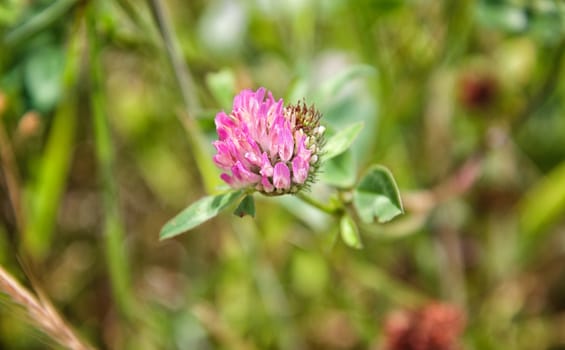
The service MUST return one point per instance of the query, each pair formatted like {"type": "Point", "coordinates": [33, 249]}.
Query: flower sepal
{"type": "Point", "coordinates": [245, 207]}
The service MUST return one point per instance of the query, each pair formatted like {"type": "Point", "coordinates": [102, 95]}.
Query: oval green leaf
{"type": "Point", "coordinates": [197, 213]}
{"type": "Point", "coordinates": [349, 232]}
{"type": "Point", "coordinates": [341, 141]}
{"type": "Point", "coordinates": [377, 196]}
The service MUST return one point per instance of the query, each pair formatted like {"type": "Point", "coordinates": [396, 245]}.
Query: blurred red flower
{"type": "Point", "coordinates": [436, 326]}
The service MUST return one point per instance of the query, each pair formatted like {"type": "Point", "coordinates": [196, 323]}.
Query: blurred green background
{"type": "Point", "coordinates": [106, 124]}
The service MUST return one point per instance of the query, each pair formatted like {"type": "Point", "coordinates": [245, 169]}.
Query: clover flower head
{"type": "Point", "coordinates": [264, 146]}
{"type": "Point", "coordinates": [436, 326]}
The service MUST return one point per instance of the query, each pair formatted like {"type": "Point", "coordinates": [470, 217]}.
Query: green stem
{"type": "Point", "coordinates": [206, 167]}
{"type": "Point", "coordinates": [39, 22]}
{"type": "Point", "coordinates": [46, 192]}
{"type": "Point", "coordinates": [316, 204]}
{"type": "Point", "coordinates": [113, 227]}
{"type": "Point", "coordinates": [182, 73]}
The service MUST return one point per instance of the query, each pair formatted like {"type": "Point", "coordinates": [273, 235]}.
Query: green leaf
{"type": "Point", "coordinates": [246, 207]}
{"type": "Point", "coordinates": [45, 197]}
{"type": "Point", "coordinates": [341, 141]}
{"type": "Point", "coordinates": [39, 21]}
{"type": "Point", "coordinates": [377, 195]}
{"type": "Point", "coordinates": [543, 204]}
{"type": "Point", "coordinates": [43, 77]}
{"type": "Point", "coordinates": [46, 193]}
{"type": "Point", "coordinates": [340, 171]}
{"type": "Point", "coordinates": [197, 213]}
{"type": "Point", "coordinates": [349, 232]}
{"type": "Point", "coordinates": [504, 16]}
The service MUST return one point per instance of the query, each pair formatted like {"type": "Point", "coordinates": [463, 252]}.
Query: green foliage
{"type": "Point", "coordinates": [542, 205]}
{"type": "Point", "coordinates": [39, 21]}
{"type": "Point", "coordinates": [197, 213]}
{"type": "Point", "coordinates": [54, 168]}
{"type": "Point", "coordinates": [349, 232]}
{"type": "Point", "coordinates": [377, 196]}
{"type": "Point", "coordinates": [341, 141]}
{"type": "Point", "coordinates": [42, 75]}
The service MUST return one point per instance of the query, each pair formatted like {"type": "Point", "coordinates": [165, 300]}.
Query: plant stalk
{"type": "Point", "coordinates": [316, 204]}
{"type": "Point", "coordinates": [114, 232]}
{"type": "Point", "coordinates": [206, 167]}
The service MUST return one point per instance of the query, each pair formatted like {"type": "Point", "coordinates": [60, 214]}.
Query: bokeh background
{"type": "Point", "coordinates": [107, 106]}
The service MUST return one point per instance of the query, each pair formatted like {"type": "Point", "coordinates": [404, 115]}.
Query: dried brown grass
{"type": "Point", "coordinates": [41, 313]}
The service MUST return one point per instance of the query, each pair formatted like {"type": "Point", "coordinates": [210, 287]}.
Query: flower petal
{"type": "Point", "coordinates": [302, 151]}
{"type": "Point", "coordinates": [286, 143]}
{"type": "Point", "coordinates": [230, 180]}
{"type": "Point", "coordinates": [281, 176]}
{"type": "Point", "coordinates": [244, 175]}
{"type": "Point", "coordinates": [224, 125]}
{"type": "Point", "coordinates": [267, 186]}
{"type": "Point", "coordinates": [266, 167]}
{"type": "Point", "coordinates": [300, 168]}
